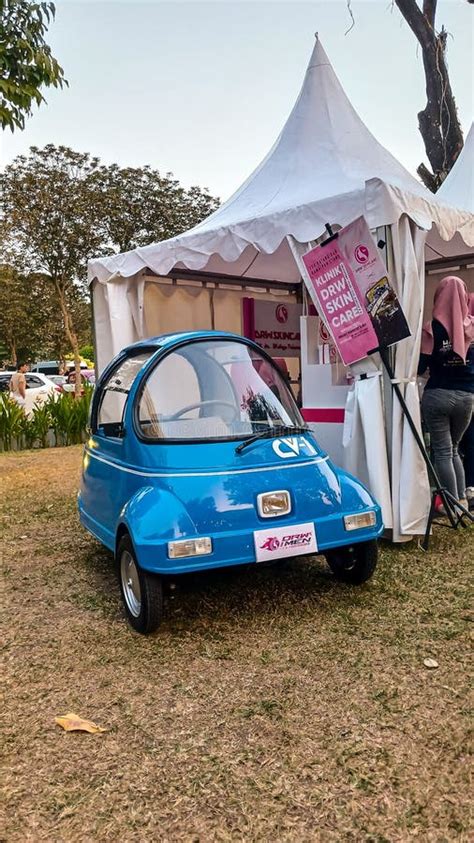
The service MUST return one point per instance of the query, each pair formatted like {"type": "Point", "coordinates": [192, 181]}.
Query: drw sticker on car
{"type": "Point", "coordinates": [280, 542]}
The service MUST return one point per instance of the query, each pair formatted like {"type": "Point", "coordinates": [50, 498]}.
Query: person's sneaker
{"type": "Point", "coordinates": [464, 502]}
{"type": "Point", "coordinates": [470, 498]}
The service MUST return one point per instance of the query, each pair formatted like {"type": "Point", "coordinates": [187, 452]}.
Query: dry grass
{"type": "Point", "coordinates": [274, 704]}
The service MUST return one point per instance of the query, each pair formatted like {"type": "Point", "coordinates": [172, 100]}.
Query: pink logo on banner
{"type": "Point", "coordinates": [281, 313]}
{"type": "Point", "coordinates": [361, 253]}
{"type": "Point", "coordinates": [339, 301]}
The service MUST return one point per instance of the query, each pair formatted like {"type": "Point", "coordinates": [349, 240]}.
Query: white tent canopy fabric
{"type": "Point", "coordinates": [458, 186]}
{"type": "Point", "coordinates": [324, 167]}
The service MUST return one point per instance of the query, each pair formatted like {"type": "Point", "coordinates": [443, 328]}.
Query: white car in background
{"type": "Point", "coordinates": [38, 388]}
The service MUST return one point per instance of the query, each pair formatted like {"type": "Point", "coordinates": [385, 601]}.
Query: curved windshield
{"type": "Point", "coordinates": [214, 389]}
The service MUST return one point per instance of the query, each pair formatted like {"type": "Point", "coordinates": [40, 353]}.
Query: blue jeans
{"type": "Point", "coordinates": [447, 414]}
{"type": "Point", "coordinates": [467, 449]}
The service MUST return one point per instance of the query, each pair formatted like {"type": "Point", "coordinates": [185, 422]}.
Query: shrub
{"type": "Point", "coordinates": [40, 423]}
{"type": "Point", "coordinates": [64, 415]}
{"type": "Point", "coordinates": [11, 422]}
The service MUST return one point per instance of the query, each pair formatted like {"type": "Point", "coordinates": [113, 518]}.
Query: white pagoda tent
{"type": "Point", "coordinates": [325, 167]}
{"type": "Point", "coordinates": [453, 257]}
{"type": "Point", "coordinates": [458, 186]}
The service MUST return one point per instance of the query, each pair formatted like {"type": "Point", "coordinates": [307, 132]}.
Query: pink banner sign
{"type": "Point", "coordinates": [339, 302]}
{"type": "Point", "coordinates": [273, 325]}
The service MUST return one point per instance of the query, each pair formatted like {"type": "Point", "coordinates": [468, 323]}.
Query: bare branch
{"type": "Point", "coordinates": [349, 9]}
{"type": "Point", "coordinates": [438, 121]}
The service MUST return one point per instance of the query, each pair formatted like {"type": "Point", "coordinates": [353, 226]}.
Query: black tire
{"type": "Point", "coordinates": [142, 593]}
{"type": "Point", "coordinates": [354, 564]}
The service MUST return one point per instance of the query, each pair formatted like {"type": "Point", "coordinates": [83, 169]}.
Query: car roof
{"type": "Point", "coordinates": [167, 340]}
{"type": "Point", "coordinates": [10, 372]}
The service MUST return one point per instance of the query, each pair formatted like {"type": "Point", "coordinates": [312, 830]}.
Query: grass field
{"type": "Point", "coordinates": [274, 704]}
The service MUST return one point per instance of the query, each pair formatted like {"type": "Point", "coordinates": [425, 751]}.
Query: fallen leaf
{"type": "Point", "coordinates": [430, 663]}
{"type": "Point", "coordinates": [71, 722]}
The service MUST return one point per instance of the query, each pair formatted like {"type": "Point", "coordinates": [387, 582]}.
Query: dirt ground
{"type": "Point", "coordinates": [273, 705]}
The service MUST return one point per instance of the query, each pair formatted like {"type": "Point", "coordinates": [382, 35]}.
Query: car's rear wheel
{"type": "Point", "coordinates": [354, 564]}
{"type": "Point", "coordinates": [142, 593]}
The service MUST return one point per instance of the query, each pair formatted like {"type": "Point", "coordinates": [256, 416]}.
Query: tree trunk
{"type": "Point", "coordinates": [13, 354]}
{"type": "Point", "coordinates": [71, 335]}
{"type": "Point", "coordinates": [438, 122]}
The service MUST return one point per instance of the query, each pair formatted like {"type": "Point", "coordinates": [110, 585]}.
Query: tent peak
{"type": "Point", "coordinates": [318, 56]}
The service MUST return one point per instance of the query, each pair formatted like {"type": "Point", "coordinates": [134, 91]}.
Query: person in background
{"type": "Point", "coordinates": [467, 442]}
{"type": "Point", "coordinates": [18, 385]}
{"type": "Point", "coordinates": [447, 349]}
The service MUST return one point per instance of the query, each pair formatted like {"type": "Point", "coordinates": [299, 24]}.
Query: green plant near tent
{"type": "Point", "coordinates": [69, 416]}
{"type": "Point", "coordinates": [39, 425]}
{"type": "Point", "coordinates": [11, 422]}
{"type": "Point", "coordinates": [83, 410]}
{"type": "Point", "coordinates": [65, 415]}
{"type": "Point", "coordinates": [63, 418]}
{"type": "Point", "coordinates": [28, 433]}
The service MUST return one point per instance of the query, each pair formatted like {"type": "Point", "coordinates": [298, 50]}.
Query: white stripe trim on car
{"type": "Point", "coordinates": [204, 473]}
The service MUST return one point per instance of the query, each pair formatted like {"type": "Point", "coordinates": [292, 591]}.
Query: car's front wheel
{"type": "Point", "coordinates": [354, 564]}
{"type": "Point", "coordinates": [142, 592]}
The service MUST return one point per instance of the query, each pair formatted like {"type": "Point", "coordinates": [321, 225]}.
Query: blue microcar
{"type": "Point", "coordinates": [198, 458]}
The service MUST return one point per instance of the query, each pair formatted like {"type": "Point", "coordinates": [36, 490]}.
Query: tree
{"type": "Point", "coordinates": [31, 325]}
{"type": "Point", "coordinates": [26, 62]}
{"type": "Point", "coordinates": [58, 208]}
{"type": "Point", "coordinates": [18, 332]}
{"type": "Point", "coordinates": [55, 344]}
{"type": "Point", "coordinates": [438, 121]}
{"type": "Point", "coordinates": [52, 223]}
{"type": "Point", "coordinates": [140, 206]}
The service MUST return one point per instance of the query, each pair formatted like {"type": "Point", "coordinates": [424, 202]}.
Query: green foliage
{"type": "Point", "coordinates": [65, 415]}
{"type": "Point", "coordinates": [59, 208]}
{"type": "Point", "coordinates": [38, 425]}
{"type": "Point", "coordinates": [51, 215]}
{"type": "Point", "coordinates": [87, 352]}
{"type": "Point", "coordinates": [51, 223]}
{"type": "Point", "coordinates": [31, 323]}
{"type": "Point", "coordinates": [26, 62]}
{"type": "Point", "coordinates": [11, 422]}
{"type": "Point", "coordinates": [141, 206]}
{"type": "Point", "coordinates": [69, 416]}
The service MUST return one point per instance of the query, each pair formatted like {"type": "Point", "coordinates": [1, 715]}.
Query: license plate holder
{"type": "Point", "coordinates": [282, 542]}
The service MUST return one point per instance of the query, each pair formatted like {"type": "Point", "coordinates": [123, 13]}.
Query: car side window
{"type": "Point", "coordinates": [33, 382]}
{"type": "Point", "coordinates": [115, 390]}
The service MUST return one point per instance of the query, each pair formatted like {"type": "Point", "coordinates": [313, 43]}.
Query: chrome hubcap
{"type": "Point", "coordinates": [130, 583]}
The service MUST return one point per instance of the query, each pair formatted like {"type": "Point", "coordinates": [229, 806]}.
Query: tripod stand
{"type": "Point", "coordinates": [454, 510]}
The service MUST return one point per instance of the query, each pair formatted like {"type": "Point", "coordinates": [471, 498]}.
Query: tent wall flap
{"type": "Point", "coordinates": [411, 500]}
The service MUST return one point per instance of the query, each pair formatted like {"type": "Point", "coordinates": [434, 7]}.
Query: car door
{"type": "Point", "coordinates": [5, 383]}
{"type": "Point", "coordinates": [106, 476]}
{"type": "Point", "coordinates": [37, 391]}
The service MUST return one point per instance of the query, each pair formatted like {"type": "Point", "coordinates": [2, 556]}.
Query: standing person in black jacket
{"type": "Point", "coordinates": [447, 349]}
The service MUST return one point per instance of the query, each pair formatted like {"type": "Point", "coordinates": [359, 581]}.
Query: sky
{"type": "Point", "coordinates": [202, 89]}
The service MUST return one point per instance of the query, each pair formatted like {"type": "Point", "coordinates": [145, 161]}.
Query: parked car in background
{"type": "Point", "coordinates": [59, 380]}
{"type": "Point", "coordinates": [46, 367]}
{"type": "Point", "coordinates": [39, 388]}
{"type": "Point", "coordinates": [87, 376]}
